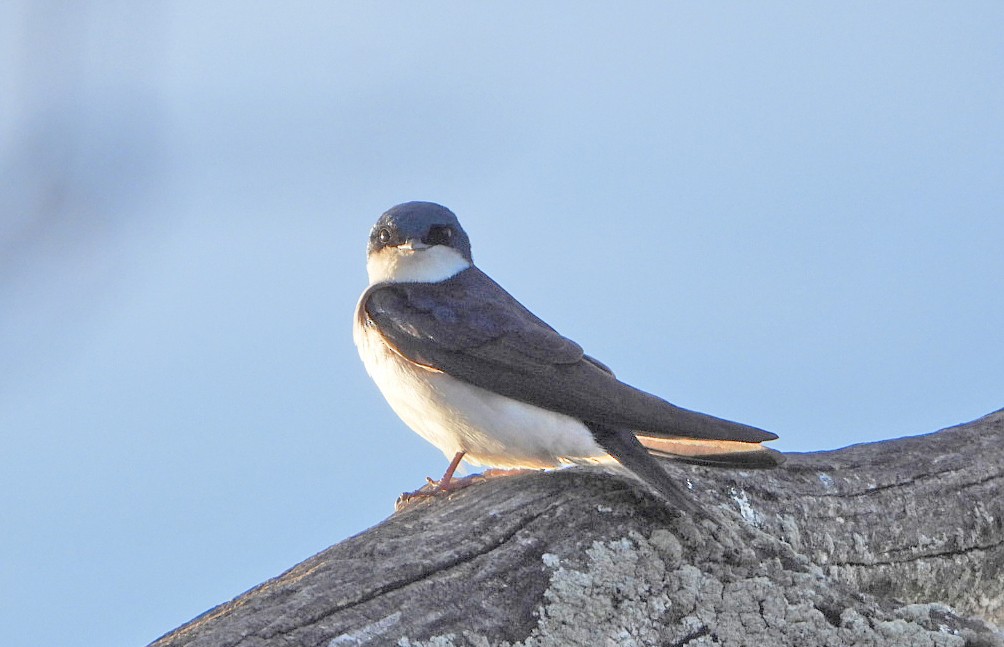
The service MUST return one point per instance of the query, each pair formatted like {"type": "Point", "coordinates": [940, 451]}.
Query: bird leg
{"type": "Point", "coordinates": [447, 483]}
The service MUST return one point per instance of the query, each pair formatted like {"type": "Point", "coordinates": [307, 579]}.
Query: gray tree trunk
{"type": "Point", "coordinates": [895, 543]}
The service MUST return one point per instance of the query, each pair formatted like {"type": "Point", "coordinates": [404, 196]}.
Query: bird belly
{"type": "Point", "coordinates": [453, 415]}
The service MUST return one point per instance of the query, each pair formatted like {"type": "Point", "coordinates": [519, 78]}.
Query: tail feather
{"type": "Point", "coordinates": [717, 453]}
{"type": "Point", "coordinates": [637, 453]}
{"type": "Point", "coordinates": [629, 452]}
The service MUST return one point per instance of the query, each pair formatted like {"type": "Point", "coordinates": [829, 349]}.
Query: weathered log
{"type": "Point", "coordinates": [898, 542]}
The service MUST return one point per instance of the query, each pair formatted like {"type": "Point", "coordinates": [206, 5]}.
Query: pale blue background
{"type": "Point", "coordinates": [789, 214]}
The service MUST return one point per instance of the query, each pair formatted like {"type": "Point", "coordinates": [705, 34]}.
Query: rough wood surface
{"type": "Point", "coordinates": [894, 543]}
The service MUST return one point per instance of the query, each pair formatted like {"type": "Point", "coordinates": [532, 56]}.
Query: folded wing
{"type": "Point", "coordinates": [471, 328]}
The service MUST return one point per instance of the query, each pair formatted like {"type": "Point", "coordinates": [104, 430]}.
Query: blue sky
{"type": "Point", "coordinates": [785, 214]}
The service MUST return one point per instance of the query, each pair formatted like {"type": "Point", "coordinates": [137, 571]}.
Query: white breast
{"type": "Point", "coordinates": [456, 416]}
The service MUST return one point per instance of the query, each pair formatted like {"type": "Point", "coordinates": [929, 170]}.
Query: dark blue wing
{"type": "Point", "coordinates": [472, 329]}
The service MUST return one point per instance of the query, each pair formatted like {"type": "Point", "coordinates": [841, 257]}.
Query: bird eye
{"type": "Point", "coordinates": [384, 235]}
{"type": "Point", "coordinates": [438, 235]}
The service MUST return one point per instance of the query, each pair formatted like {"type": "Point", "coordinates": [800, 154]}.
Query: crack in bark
{"type": "Point", "coordinates": [983, 481]}
{"type": "Point", "coordinates": [944, 554]}
{"type": "Point", "coordinates": [694, 635]}
{"type": "Point", "coordinates": [929, 476]}
{"type": "Point", "coordinates": [901, 484]}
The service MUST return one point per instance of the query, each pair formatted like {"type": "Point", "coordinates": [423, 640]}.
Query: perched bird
{"type": "Point", "coordinates": [479, 376]}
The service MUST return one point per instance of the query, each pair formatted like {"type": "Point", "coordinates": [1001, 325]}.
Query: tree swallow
{"type": "Point", "coordinates": [479, 376]}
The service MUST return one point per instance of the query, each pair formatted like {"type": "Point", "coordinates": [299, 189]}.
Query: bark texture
{"type": "Point", "coordinates": [896, 543]}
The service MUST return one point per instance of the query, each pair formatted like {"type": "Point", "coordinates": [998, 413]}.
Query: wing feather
{"type": "Point", "coordinates": [471, 328]}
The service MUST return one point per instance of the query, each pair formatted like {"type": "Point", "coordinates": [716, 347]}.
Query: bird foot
{"type": "Point", "coordinates": [434, 489]}
{"type": "Point", "coordinates": [449, 485]}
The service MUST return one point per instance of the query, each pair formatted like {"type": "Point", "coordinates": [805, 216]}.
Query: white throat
{"type": "Point", "coordinates": [399, 265]}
